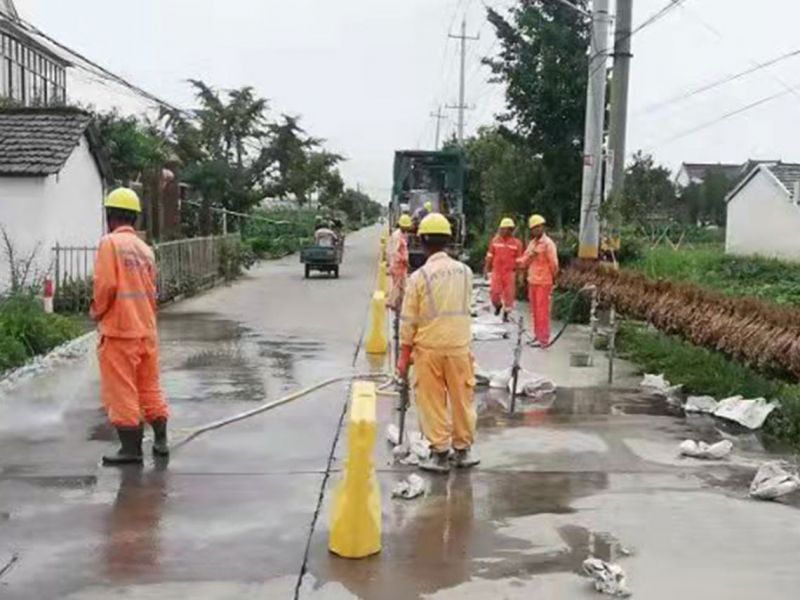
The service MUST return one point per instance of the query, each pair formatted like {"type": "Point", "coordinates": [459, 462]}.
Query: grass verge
{"type": "Point", "coordinates": [27, 331]}
{"type": "Point", "coordinates": [703, 371]}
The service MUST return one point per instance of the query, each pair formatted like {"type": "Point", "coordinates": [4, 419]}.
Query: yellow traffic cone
{"type": "Point", "coordinates": [377, 342]}
{"type": "Point", "coordinates": [355, 528]}
{"type": "Point", "coordinates": [383, 278]}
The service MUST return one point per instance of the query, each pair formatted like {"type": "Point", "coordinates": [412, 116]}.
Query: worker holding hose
{"type": "Point", "coordinates": [541, 260]}
{"type": "Point", "coordinates": [398, 261]}
{"type": "Point", "coordinates": [436, 333]}
{"type": "Point", "coordinates": [501, 268]}
{"type": "Point", "coordinates": [124, 307]}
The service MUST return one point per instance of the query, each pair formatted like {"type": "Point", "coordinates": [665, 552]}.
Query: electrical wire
{"type": "Point", "coordinates": [724, 117]}
{"type": "Point", "coordinates": [658, 106]}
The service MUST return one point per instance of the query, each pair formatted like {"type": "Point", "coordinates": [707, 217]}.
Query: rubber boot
{"type": "Point", "coordinates": [506, 316]}
{"type": "Point", "coordinates": [160, 443]}
{"type": "Point", "coordinates": [130, 452]}
{"type": "Point", "coordinates": [466, 459]}
{"type": "Point", "coordinates": [497, 310]}
{"type": "Point", "coordinates": [437, 462]}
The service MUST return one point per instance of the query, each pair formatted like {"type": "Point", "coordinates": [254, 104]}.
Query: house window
{"type": "Point", "coordinates": [29, 75]}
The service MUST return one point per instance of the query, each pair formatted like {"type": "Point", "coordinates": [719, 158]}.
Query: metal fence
{"type": "Point", "coordinates": [184, 266]}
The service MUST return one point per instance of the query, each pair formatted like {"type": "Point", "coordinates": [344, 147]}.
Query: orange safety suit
{"type": "Point", "coordinates": [398, 267]}
{"type": "Point", "coordinates": [541, 259]}
{"type": "Point", "coordinates": [124, 306]}
{"type": "Point", "coordinates": [436, 323]}
{"type": "Point", "coordinates": [501, 260]}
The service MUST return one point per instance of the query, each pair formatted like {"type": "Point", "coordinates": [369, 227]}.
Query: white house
{"type": "Point", "coordinates": [764, 213]}
{"type": "Point", "coordinates": [52, 181]}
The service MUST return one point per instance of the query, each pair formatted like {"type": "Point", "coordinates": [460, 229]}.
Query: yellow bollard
{"type": "Point", "coordinates": [355, 528]}
{"type": "Point", "coordinates": [384, 242]}
{"type": "Point", "coordinates": [383, 278]}
{"type": "Point", "coordinates": [377, 342]}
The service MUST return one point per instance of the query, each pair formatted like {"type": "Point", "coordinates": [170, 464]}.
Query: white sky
{"type": "Point", "coordinates": [365, 74]}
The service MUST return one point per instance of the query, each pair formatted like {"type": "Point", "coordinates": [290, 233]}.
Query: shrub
{"type": "Point", "coordinates": [26, 330]}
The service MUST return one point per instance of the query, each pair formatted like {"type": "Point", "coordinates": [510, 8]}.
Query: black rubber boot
{"type": "Point", "coordinates": [466, 459]}
{"type": "Point", "coordinates": [506, 316]}
{"type": "Point", "coordinates": [438, 462]}
{"type": "Point", "coordinates": [497, 310]}
{"type": "Point", "coordinates": [160, 444]}
{"type": "Point", "coordinates": [130, 452]}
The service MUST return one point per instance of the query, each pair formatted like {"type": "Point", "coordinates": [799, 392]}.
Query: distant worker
{"type": "Point", "coordinates": [325, 236]}
{"type": "Point", "coordinates": [436, 332]}
{"type": "Point", "coordinates": [541, 260]}
{"type": "Point", "coordinates": [422, 212]}
{"type": "Point", "coordinates": [397, 255]}
{"type": "Point", "coordinates": [501, 268]}
{"type": "Point", "coordinates": [124, 307]}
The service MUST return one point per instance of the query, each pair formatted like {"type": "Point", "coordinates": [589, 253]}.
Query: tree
{"type": "Point", "coordinates": [649, 194]}
{"type": "Point", "coordinates": [133, 147]}
{"type": "Point", "coordinates": [503, 178]}
{"type": "Point", "coordinates": [704, 203]}
{"type": "Point", "coordinates": [543, 64]}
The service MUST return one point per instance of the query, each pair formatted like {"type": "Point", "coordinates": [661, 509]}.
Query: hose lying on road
{"type": "Point", "coordinates": [194, 433]}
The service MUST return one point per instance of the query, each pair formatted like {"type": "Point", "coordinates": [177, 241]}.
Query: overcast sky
{"type": "Point", "coordinates": [365, 74]}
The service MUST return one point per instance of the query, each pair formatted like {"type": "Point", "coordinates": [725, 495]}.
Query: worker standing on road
{"type": "Point", "coordinates": [436, 332]}
{"type": "Point", "coordinates": [541, 259]}
{"type": "Point", "coordinates": [501, 268]}
{"type": "Point", "coordinates": [124, 307]}
{"type": "Point", "coordinates": [398, 261]}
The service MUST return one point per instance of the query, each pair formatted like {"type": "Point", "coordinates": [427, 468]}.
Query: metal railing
{"type": "Point", "coordinates": [184, 266]}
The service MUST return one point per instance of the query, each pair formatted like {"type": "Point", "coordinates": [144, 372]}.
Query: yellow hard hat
{"type": "Point", "coordinates": [124, 198]}
{"type": "Point", "coordinates": [536, 220]}
{"type": "Point", "coordinates": [429, 206]}
{"type": "Point", "coordinates": [405, 221]}
{"type": "Point", "coordinates": [435, 224]}
{"type": "Point", "coordinates": [507, 223]}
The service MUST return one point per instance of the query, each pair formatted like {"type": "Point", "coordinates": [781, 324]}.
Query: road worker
{"type": "Point", "coordinates": [422, 212]}
{"type": "Point", "coordinates": [541, 260]}
{"type": "Point", "coordinates": [501, 268]}
{"type": "Point", "coordinates": [124, 307]}
{"type": "Point", "coordinates": [398, 261]}
{"type": "Point", "coordinates": [435, 333]}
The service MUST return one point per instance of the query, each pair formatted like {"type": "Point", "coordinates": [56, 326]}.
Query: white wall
{"type": "Point", "coordinates": [762, 220]}
{"type": "Point", "coordinates": [64, 208]}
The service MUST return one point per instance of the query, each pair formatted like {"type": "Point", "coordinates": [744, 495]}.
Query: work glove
{"type": "Point", "coordinates": [404, 361]}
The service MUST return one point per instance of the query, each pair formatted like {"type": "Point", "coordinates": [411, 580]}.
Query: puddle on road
{"type": "Point", "coordinates": [487, 525]}
{"type": "Point", "coordinates": [210, 358]}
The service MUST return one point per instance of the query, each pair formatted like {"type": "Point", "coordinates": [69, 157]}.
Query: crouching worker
{"type": "Point", "coordinates": [435, 333]}
{"type": "Point", "coordinates": [124, 307]}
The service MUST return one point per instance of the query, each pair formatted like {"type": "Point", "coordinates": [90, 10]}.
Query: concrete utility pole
{"type": "Point", "coordinates": [439, 118]}
{"type": "Point", "coordinates": [592, 191]}
{"type": "Point", "coordinates": [618, 128]}
{"type": "Point", "coordinates": [461, 107]}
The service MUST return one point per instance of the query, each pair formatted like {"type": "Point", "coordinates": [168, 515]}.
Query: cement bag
{"type": "Point", "coordinates": [773, 480]}
{"type": "Point", "coordinates": [747, 413]}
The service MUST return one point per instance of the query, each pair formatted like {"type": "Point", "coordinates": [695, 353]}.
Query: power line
{"type": "Point", "coordinates": [718, 83]}
{"type": "Point", "coordinates": [724, 117]}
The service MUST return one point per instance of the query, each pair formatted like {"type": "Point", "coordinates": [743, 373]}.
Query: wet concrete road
{"type": "Point", "coordinates": [589, 472]}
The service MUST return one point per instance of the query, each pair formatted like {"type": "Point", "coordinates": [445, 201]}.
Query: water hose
{"type": "Point", "coordinates": [570, 314]}
{"type": "Point", "coordinates": [194, 433]}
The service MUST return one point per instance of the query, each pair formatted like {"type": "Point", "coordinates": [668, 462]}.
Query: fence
{"type": "Point", "coordinates": [184, 266]}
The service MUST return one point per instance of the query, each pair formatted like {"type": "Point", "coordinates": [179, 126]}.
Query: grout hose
{"type": "Point", "coordinates": [194, 433]}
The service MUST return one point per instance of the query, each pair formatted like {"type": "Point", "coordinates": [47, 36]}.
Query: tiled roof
{"type": "Point", "coordinates": [37, 142]}
{"type": "Point", "coordinates": [787, 173]}
{"type": "Point", "coordinates": [700, 170]}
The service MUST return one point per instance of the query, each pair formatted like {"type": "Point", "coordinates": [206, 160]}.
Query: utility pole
{"type": "Point", "coordinates": [592, 191]}
{"type": "Point", "coordinates": [462, 106]}
{"type": "Point", "coordinates": [618, 128]}
{"type": "Point", "coordinates": [439, 118]}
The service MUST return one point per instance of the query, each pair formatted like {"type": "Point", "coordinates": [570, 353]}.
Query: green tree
{"type": "Point", "coordinates": [704, 202]}
{"type": "Point", "coordinates": [543, 64]}
{"type": "Point", "coordinates": [649, 194]}
{"type": "Point", "coordinates": [133, 147]}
